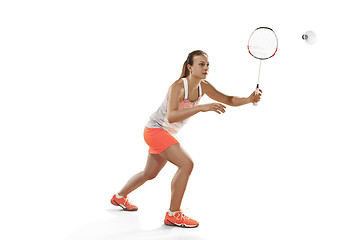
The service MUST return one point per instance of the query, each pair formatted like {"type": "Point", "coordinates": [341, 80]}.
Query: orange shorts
{"type": "Point", "coordinates": [158, 140]}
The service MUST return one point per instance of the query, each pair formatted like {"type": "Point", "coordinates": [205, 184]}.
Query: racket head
{"type": "Point", "coordinates": [263, 43]}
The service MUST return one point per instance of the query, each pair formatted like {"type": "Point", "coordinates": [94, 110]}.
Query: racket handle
{"type": "Point", "coordinates": [256, 93]}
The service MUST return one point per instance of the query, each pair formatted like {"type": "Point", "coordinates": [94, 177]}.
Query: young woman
{"type": "Point", "coordinates": [181, 102]}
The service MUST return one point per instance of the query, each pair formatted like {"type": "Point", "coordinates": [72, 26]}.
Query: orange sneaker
{"type": "Point", "coordinates": [123, 202]}
{"type": "Point", "coordinates": [180, 220]}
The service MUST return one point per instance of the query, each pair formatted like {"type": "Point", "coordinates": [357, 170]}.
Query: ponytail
{"type": "Point", "coordinates": [185, 71]}
{"type": "Point", "coordinates": [190, 60]}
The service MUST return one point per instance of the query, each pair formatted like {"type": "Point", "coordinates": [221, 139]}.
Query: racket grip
{"type": "Point", "coordinates": [256, 93]}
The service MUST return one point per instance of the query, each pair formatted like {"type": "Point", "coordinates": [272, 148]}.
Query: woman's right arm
{"type": "Point", "coordinates": [176, 115]}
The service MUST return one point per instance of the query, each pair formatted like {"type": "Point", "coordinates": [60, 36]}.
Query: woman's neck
{"type": "Point", "coordinates": [193, 82]}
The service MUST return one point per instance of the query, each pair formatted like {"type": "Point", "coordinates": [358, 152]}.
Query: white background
{"type": "Point", "coordinates": [79, 80]}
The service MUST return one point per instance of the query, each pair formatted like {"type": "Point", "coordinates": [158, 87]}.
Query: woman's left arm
{"type": "Point", "coordinates": [214, 94]}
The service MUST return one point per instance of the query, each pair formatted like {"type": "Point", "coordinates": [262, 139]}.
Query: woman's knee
{"type": "Point", "coordinates": [149, 175]}
{"type": "Point", "coordinates": [187, 165]}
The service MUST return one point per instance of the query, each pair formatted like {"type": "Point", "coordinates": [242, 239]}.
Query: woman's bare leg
{"type": "Point", "coordinates": [154, 164]}
{"type": "Point", "coordinates": [176, 155]}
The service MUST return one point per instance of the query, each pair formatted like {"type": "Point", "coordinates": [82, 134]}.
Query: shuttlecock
{"type": "Point", "coordinates": [309, 37]}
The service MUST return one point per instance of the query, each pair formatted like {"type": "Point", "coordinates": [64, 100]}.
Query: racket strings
{"type": "Point", "coordinates": [263, 43]}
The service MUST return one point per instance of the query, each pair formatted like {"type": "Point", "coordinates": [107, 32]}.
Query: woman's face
{"type": "Point", "coordinates": [200, 67]}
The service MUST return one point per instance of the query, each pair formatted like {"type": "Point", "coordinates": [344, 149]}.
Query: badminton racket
{"type": "Point", "coordinates": [262, 45]}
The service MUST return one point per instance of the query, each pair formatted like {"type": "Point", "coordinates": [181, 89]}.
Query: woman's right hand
{"type": "Point", "coordinates": [216, 107]}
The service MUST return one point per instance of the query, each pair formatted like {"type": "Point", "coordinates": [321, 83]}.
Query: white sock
{"type": "Point", "coordinates": [118, 196]}
{"type": "Point", "coordinates": [171, 213]}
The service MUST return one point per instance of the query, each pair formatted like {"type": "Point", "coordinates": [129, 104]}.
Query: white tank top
{"type": "Point", "coordinates": [159, 119]}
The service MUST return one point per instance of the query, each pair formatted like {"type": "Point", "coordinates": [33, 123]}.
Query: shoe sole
{"type": "Point", "coordinates": [168, 223]}
{"type": "Point", "coordinates": [123, 207]}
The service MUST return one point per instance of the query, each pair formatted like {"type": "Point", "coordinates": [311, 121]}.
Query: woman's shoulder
{"type": "Point", "coordinates": [205, 86]}
{"type": "Point", "coordinates": [204, 83]}
{"type": "Point", "coordinates": [178, 86]}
